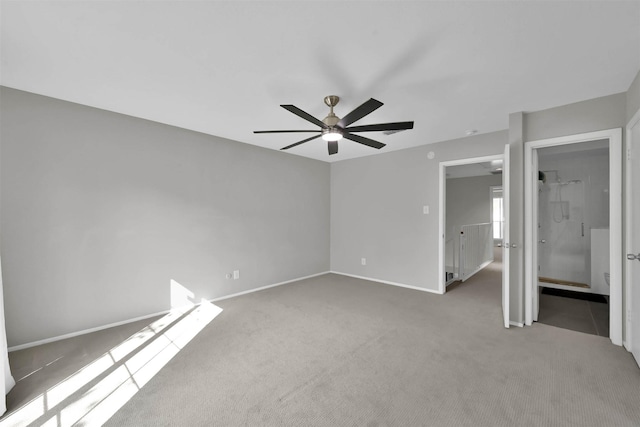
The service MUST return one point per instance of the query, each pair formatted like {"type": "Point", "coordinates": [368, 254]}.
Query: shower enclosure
{"type": "Point", "coordinates": [564, 256]}
{"type": "Point", "coordinates": [573, 216]}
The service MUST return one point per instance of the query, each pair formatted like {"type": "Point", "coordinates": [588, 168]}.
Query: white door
{"type": "Point", "coordinates": [505, 237]}
{"type": "Point", "coordinates": [535, 294]}
{"type": "Point", "coordinates": [633, 245]}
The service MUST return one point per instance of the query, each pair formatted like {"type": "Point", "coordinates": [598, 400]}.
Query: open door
{"type": "Point", "coordinates": [633, 236]}
{"type": "Point", "coordinates": [535, 261]}
{"type": "Point", "coordinates": [505, 236]}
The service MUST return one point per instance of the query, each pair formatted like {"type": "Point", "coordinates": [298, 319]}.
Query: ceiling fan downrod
{"type": "Point", "coordinates": [331, 119]}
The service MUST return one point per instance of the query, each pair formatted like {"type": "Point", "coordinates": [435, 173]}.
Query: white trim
{"type": "Point", "coordinates": [441, 209]}
{"type": "Point", "coordinates": [628, 278]}
{"type": "Point", "coordinates": [442, 269]}
{"type": "Point", "coordinates": [147, 316]}
{"type": "Point", "coordinates": [250, 291]}
{"type": "Point", "coordinates": [572, 139]}
{"type": "Point", "coordinates": [472, 160]}
{"type": "Point", "coordinates": [386, 282]}
{"type": "Point", "coordinates": [83, 332]}
{"type": "Point", "coordinates": [518, 324]}
{"type": "Point", "coordinates": [615, 222]}
{"type": "Point", "coordinates": [530, 233]}
{"type": "Point", "coordinates": [506, 233]}
{"type": "Point", "coordinates": [615, 237]}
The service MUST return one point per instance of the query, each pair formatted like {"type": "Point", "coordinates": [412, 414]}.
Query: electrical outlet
{"type": "Point", "coordinates": [236, 274]}
{"type": "Point", "coordinates": [364, 261]}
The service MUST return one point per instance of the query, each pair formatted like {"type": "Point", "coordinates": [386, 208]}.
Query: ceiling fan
{"type": "Point", "coordinates": [333, 128]}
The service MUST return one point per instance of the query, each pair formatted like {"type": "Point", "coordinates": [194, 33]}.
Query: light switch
{"type": "Point", "coordinates": [425, 209]}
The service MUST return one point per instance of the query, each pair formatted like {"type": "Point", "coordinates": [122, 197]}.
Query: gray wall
{"type": "Point", "coordinates": [469, 199]}
{"type": "Point", "coordinates": [516, 218]}
{"type": "Point", "coordinates": [377, 210]}
{"type": "Point", "coordinates": [633, 98]}
{"type": "Point", "coordinates": [101, 211]}
{"type": "Point", "coordinates": [596, 114]}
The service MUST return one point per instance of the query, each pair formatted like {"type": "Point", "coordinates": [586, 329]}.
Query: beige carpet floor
{"type": "Point", "coordinates": [339, 351]}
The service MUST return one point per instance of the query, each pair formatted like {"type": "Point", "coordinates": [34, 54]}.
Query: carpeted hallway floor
{"type": "Point", "coordinates": [334, 350]}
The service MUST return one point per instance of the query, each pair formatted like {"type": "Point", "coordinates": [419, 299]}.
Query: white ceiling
{"type": "Point", "coordinates": [223, 68]}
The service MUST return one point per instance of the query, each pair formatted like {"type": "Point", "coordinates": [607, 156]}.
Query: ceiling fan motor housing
{"type": "Point", "coordinates": [331, 120]}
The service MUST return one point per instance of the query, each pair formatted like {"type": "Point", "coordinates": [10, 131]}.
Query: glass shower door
{"type": "Point", "coordinates": [563, 245]}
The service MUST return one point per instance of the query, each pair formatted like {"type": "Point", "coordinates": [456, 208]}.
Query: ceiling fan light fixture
{"type": "Point", "coordinates": [331, 134]}
{"type": "Point", "coordinates": [333, 128]}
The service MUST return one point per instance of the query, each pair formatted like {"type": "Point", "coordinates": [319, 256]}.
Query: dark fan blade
{"type": "Point", "coordinates": [381, 127]}
{"type": "Point", "coordinates": [308, 117]}
{"type": "Point", "coordinates": [333, 147]}
{"type": "Point", "coordinates": [367, 108]}
{"type": "Point", "coordinates": [284, 131]}
{"type": "Point", "coordinates": [300, 142]}
{"type": "Point", "coordinates": [363, 140]}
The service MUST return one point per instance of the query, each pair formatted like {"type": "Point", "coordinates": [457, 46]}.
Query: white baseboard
{"type": "Point", "coordinates": [402, 285]}
{"type": "Point", "coordinates": [268, 286]}
{"type": "Point", "coordinates": [518, 324]}
{"type": "Point", "coordinates": [147, 316]}
{"type": "Point", "coordinates": [83, 332]}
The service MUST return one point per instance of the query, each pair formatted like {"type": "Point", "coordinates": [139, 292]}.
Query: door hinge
{"type": "Point", "coordinates": [629, 154]}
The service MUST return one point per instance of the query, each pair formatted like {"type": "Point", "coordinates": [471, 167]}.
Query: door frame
{"type": "Point", "coordinates": [632, 147]}
{"type": "Point", "coordinates": [442, 211]}
{"type": "Point", "coordinates": [615, 222]}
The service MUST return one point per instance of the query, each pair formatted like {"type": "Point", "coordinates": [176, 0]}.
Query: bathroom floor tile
{"type": "Point", "coordinates": [555, 304]}
{"type": "Point", "coordinates": [573, 323]}
{"type": "Point", "coordinates": [600, 314]}
{"type": "Point", "coordinates": [599, 308]}
{"type": "Point", "coordinates": [576, 315]}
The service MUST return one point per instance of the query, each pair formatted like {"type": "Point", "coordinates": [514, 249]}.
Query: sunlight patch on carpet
{"type": "Point", "coordinates": [120, 373]}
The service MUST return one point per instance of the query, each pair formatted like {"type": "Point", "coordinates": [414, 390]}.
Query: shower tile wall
{"type": "Point", "coordinates": [573, 198]}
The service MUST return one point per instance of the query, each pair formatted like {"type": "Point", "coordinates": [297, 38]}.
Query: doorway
{"type": "Point", "coordinates": [573, 236]}
{"type": "Point", "coordinates": [461, 226]}
{"type": "Point", "coordinates": [573, 233]}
